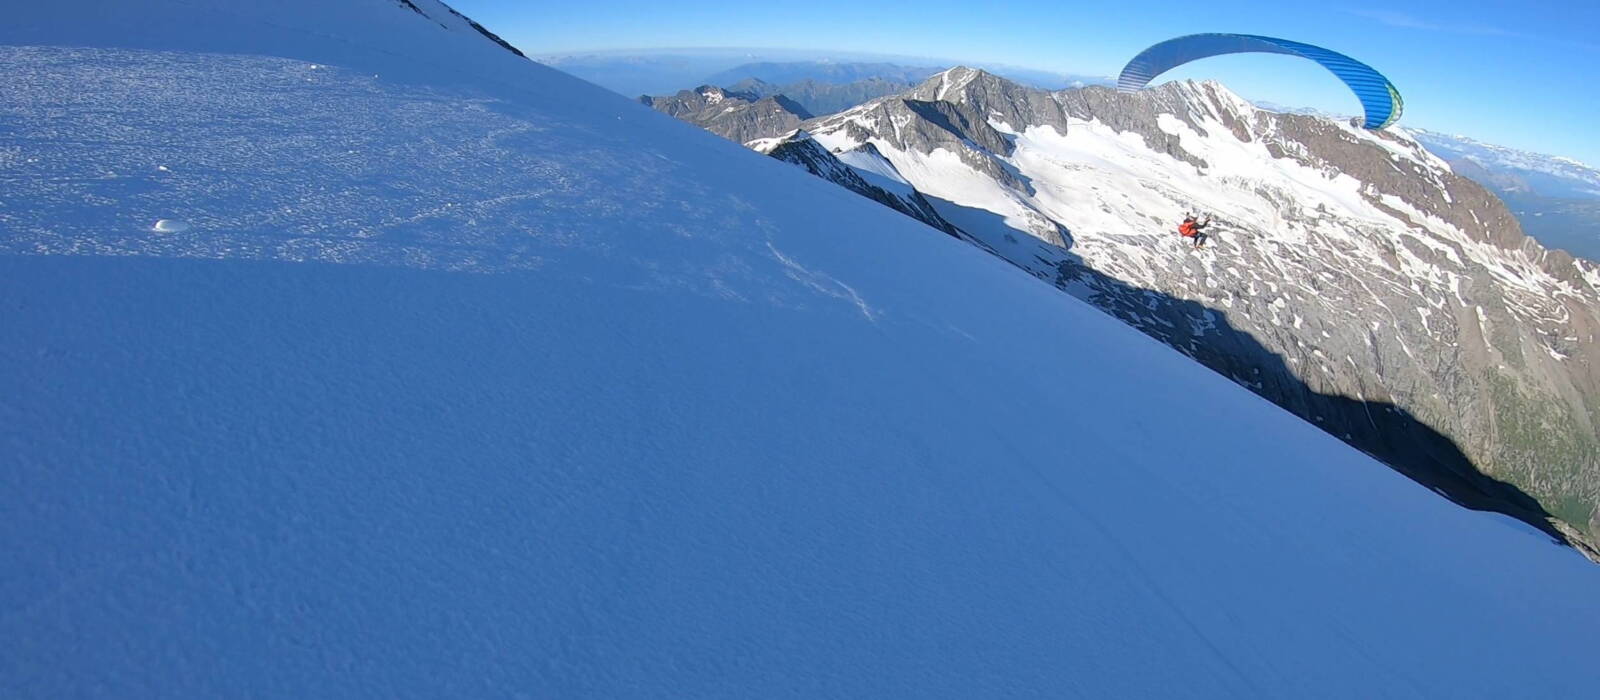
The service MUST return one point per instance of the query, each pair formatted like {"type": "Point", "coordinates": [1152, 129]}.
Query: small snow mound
{"type": "Point", "coordinates": [169, 226]}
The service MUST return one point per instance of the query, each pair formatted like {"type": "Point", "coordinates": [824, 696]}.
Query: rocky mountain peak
{"type": "Point", "coordinates": [737, 116]}
{"type": "Point", "coordinates": [1357, 255]}
{"type": "Point", "coordinates": [991, 99]}
{"type": "Point", "coordinates": [947, 84]}
{"type": "Point", "coordinates": [1347, 263]}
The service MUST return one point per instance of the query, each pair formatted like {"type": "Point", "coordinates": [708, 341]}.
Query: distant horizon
{"type": "Point", "coordinates": [816, 55]}
{"type": "Point", "coordinates": [833, 56]}
{"type": "Point", "coordinates": [1508, 76]}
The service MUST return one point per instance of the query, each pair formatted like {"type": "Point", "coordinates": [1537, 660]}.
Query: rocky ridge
{"type": "Point", "coordinates": [736, 116]}
{"type": "Point", "coordinates": [1353, 272]}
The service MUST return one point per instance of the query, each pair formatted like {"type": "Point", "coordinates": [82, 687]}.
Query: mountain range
{"type": "Point", "coordinates": [1349, 268]}
{"type": "Point", "coordinates": [664, 71]}
{"type": "Point", "coordinates": [738, 116]}
{"type": "Point", "coordinates": [821, 97]}
{"type": "Point", "coordinates": [822, 72]}
{"type": "Point", "coordinates": [1557, 200]}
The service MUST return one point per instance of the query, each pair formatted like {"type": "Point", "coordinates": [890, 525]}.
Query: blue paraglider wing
{"type": "Point", "coordinates": [1379, 98]}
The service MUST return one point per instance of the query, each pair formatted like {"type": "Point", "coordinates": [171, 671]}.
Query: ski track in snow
{"type": "Point", "coordinates": [703, 426]}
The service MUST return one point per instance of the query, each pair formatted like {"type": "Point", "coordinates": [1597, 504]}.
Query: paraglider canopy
{"type": "Point", "coordinates": [1379, 98]}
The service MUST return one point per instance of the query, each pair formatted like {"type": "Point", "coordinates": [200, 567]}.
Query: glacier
{"type": "Point", "coordinates": [465, 377]}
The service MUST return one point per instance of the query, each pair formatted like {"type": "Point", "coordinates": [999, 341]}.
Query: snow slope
{"type": "Point", "coordinates": [468, 378]}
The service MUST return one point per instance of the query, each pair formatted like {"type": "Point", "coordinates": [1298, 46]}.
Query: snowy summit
{"type": "Point", "coordinates": [468, 378]}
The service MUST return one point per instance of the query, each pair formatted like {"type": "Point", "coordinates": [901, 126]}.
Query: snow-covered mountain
{"type": "Point", "coordinates": [447, 374]}
{"type": "Point", "coordinates": [1551, 176]}
{"type": "Point", "coordinates": [823, 87]}
{"type": "Point", "coordinates": [1347, 264]}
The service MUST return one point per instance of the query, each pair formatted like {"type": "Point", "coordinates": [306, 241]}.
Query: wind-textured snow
{"type": "Point", "coordinates": [468, 378]}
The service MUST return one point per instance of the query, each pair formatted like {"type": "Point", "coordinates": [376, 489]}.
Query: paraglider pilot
{"type": "Point", "coordinates": [1194, 228]}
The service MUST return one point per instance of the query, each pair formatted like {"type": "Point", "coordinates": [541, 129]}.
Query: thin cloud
{"type": "Point", "coordinates": [1405, 21]}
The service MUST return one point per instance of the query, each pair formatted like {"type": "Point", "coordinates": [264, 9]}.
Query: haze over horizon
{"type": "Point", "coordinates": [1447, 59]}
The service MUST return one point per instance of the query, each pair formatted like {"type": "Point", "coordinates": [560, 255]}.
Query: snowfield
{"type": "Point", "coordinates": [464, 377]}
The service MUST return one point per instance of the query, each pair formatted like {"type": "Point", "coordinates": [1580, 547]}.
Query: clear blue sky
{"type": "Point", "coordinates": [1526, 76]}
